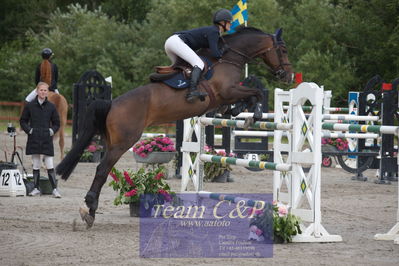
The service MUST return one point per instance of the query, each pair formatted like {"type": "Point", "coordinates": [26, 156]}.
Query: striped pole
{"type": "Point", "coordinates": [243, 133]}
{"type": "Point", "coordinates": [334, 117]}
{"type": "Point", "coordinates": [330, 109]}
{"type": "Point", "coordinates": [240, 124]}
{"type": "Point", "coordinates": [361, 128]}
{"type": "Point", "coordinates": [231, 198]}
{"type": "Point", "coordinates": [246, 163]}
{"type": "Point", "coordinates": [350, 117]}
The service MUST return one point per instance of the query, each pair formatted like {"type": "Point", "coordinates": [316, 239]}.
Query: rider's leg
{"type": "Point", "coordinates": [31, 96]}
{"type": "Point", "coordinates": [174, 46]}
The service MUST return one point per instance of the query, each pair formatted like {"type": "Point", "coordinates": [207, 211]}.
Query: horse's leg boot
{"type": "Point", "coordinates": [258, 112]}
{"type": "Point", "coordinates": [193, 92]}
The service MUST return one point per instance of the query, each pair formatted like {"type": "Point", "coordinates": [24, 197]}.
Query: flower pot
{"type": "Point", "coordinates": [222, 178]}
{"type": "Point", "coordinates": [155, 157]}
{"type": "Point", "coordinates": [138, 210]}
{"type": "Point", "coordinates": [96, 157]}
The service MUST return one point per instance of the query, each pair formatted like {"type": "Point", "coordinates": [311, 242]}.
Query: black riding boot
{"type": "Point", "coordinates": [36, 178]}
{"type": "Point", "coordinates": [53, 182]}
{"type": "Point", "coordinates": [51, 178]}
{"type": "Point", "coordinates": [193, 92]}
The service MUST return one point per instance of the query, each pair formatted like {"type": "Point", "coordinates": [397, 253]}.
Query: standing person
{"type": "Point", "coordinates": [40, 121]}
{"type": "Point", "coordinates": [183, 44]}
{"type": "Point", "coordinates": [46, 72]}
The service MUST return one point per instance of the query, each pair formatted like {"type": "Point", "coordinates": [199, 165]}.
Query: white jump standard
{"type": "Point", "coordinates": [303, 196]}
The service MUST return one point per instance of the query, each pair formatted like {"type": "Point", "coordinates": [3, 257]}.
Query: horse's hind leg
{"type": "Point", "coordinates": [61, 142]}
{"type": "Point", "coordinates": [112, 155]}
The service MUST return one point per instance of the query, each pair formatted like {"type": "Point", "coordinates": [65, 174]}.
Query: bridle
{"type": "Point", "coordinates": [278, 72]}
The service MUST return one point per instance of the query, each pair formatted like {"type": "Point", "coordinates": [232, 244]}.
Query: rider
{"type": "Point", "coordinates": [46, 72]}
{"type": "Point", "coordinates": [183, 44]}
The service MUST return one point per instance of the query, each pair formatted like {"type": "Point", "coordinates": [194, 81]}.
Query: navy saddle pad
{"type": "Point", "coordinates": [178, 81]}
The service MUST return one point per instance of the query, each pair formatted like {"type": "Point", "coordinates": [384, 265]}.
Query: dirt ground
{"type": "Point", "coordinates": [39, 231]}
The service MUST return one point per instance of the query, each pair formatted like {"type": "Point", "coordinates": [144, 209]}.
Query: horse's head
{"type": "Point", "coordinates": [276, 57]}
{"type": "Point", "coordinates": [270, 47]}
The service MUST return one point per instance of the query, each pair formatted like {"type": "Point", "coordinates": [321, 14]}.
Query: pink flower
{"type": "Point", "coordinates": [207, 148]}
{"type": "Point", "coordinates": [143, 155]}
{"type": "Point", "coordinates": [159, 176]}
{"type": "Point", "coordinates": [253, 228]}
{"type": "Point", "coordinates": [258, 212]}
{"type": "Point", "coordinates": [274, 202]}
{"type": "Point", "coordinates": [91, 148]}
{"type": "Point", "coordinates": [131, 193]}
{"type": "Point", "coordinates": [250, 211]}
{"type": "Point", "coordinates": [282, 211]}
{"type": "Point", "coordinates": [127, 178]}
{"type": "Point", "coordinates": [323, 141]}
{"type": "Point", "coordinates": [258, 232]}
{"type": "Point", "coordinates": [114, 177]}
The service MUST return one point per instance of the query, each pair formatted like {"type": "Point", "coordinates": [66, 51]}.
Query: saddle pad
{"type": "Point", "coordinates": [178, 81]}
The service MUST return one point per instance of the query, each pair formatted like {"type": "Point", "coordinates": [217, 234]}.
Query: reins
{"type": "Point", "coordinates": [280, 72]}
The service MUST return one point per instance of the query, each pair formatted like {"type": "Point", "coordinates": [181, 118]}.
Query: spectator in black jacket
{"type": "Point", "coordinates": [184, 44]}
{"type": "Point", "coordinates": [40, 121]}
{"type": "Point", "coordinates": [46, 72]}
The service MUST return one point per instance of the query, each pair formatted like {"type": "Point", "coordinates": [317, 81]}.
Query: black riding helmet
{"type": "Point", "coordinates": [222, 15]}
{"type": "Point", "coordinates": [47, 53]}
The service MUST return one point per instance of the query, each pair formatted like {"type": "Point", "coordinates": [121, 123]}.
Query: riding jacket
{"type": "Point", "coordinates": [36, 120]}
{"type": "Point", "coordinates": [204, 37]}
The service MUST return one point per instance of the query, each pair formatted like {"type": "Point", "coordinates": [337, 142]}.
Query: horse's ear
{"type": "Point", "coordinates": [278, 33]}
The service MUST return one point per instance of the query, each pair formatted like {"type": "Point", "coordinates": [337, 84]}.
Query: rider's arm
{"type": "Point", "coordinates": [213, 40]}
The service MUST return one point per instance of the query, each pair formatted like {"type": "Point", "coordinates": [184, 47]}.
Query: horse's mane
{"type": "Point", "coordinates": [242, 29]}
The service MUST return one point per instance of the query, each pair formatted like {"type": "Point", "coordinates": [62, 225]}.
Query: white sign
{"type": "Point", "coordinates": [12, 183]}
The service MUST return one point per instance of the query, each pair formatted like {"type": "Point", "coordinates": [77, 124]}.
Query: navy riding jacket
{"type": "Point", "coordinates": [204, 37]}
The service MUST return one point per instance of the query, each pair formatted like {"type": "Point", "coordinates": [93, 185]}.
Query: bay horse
{"type": "Point", "coordinates": [61, 105]}
{"type": "Point", "coordinates": [123, 119]}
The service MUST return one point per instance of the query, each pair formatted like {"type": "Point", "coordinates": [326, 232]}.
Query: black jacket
{"type": "Point", "coordinates": [204, 37]}
{"type": "Point", "coordinates": [40, 118]}
{"type": "Point", "coordinates": [54, 76]}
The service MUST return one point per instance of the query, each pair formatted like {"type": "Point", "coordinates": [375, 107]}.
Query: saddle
{"type": "Point", "coordinates": [177, 76]}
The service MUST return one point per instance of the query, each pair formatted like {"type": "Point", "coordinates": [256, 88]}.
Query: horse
{"type": "Point", "coordinates": [123, 119]}
{"type": "Point", "coordinates": [61, 105]}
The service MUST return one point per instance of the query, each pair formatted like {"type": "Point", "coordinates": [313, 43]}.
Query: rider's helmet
{"type": "Point", "coordinates": [47, 53]}
{"type": "Point", "coordinates": [222, 15]}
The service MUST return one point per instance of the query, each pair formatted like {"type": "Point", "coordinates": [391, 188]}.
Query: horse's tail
{"type": "Point", "coordinates": [94, 122]}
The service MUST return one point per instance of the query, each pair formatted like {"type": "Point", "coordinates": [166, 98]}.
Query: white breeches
{"type": "Point", "coordinates": [32, 95]}
{"type": "Point", "coordinates": [48, 161]}
{"type": "Point", "coordinates": [175, 47]}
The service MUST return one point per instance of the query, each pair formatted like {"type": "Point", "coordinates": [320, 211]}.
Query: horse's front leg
{"type": "Point", "coordinates": [254, 97]}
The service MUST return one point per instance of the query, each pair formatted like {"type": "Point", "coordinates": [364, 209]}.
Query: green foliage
{"type": "Point", "coordinates": [131, 186]}
{"type": "Point", "coordinates": [277, 218]}
{"type": "Point", "coordinates": [336, 43]}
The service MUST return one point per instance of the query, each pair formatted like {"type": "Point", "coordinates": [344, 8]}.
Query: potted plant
{"type": "Point", "coordinates": [154, 150]}
{"type": "Point", "coordinates": [217, 172]}
{"type": "Point", "coordinates": [329, 144]}
{"type": "Point", "coordinates": [141, 189]}
{"type": "Point", "coordinates": [92, 153]}
{"type": "Point", "coordinates": [277, 218]}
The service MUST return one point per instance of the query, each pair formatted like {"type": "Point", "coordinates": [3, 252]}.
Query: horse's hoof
{"type": "Point", "coordinates": [86, 217]}
{"type": "Point", "coordinates": [248, 122]}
